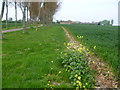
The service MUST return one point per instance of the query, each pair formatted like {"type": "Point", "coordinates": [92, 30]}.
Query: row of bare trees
{"type": "Point", "coordinates": [47, 12]}
{"type": "Point", "coordinates": [6, 3]}
{"type": "Point", "coordinates": [43, 12]}
{"type": "Point", "coordinates": [40, 12]}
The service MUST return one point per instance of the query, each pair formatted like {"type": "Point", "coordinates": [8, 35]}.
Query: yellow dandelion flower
{"type": "Point", "coordinates": [59, 72]}
{"type": "Point", "coordinates": [71, 43]}
{"type": "Point", "coordinates": [68, 44]}
{"type": "Point", "coordinates": [68, 70]}
{"type": "Point", "coordinates": [81, 45]}
{"type": "Point", "coordinates": [94, 47]}
{"type": "Point", "coordinates": [79, 78]}
{"type": "Point", "coordinates": [80, 84]}
{"type": "Point", "coordinates": [51, 61]}
{"type": "Point", "coordinates": [83, 86]}
{"type": "Point", "coordinates": [80, 48]}
{"type": "Point", "coordinates": [86, 83]}
{"type": "Point", "coordinates": [77, 81]}
{"type": "Point", "coordinates": [80, 51]}
{"type": "Point", "coordinates": [76, 75]}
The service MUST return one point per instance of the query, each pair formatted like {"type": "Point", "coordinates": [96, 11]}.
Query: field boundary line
{"type": "Point", "coordinates": [104, 77]}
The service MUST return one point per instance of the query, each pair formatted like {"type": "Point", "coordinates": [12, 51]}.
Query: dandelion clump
{"type": "Point", "coordinates": [76, 63]}
{"type": "Point", "coordinates": [94, 47]}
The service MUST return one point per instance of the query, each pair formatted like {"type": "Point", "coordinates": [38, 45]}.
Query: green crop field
{"type": "Point", "coordinates": [104, 38]}
{"type": "Point", "coordinates": [31, 60]}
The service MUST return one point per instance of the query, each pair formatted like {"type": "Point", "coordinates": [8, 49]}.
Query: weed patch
{"type": "Point", "coordinates": [75, 62]}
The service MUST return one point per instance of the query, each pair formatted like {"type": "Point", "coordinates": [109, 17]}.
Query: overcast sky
{"type": "Point", "coordinates": [83, 10]}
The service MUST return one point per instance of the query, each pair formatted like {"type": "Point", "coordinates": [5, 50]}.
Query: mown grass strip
{"type": "Point", "coordinates": [31, 60]}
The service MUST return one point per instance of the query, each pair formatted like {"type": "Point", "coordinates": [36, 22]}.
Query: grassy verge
{"type": "Point", "coordinates": [31, 60]}
{"type": "Point", "coordinates": [100, 39]}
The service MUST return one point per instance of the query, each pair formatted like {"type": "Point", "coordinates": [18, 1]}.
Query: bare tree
{"type": "Point", "coordinates": [35, 12]}
{"type": "Point", "coordinates": [27, 12]}
{"type": "Point", "coordinates": [6, 14]}
{"type": "Point", "coordinates": [15, 14]}
{"type": "Point", "coordinates": [1, 16]}
{"type": "Point", "coordinates": [47, 11]}
{"type": "Point", "coordinates": [28, 21]}
{"type": "Point", "coordinates": [24, 18]}
{"type": "Point", "coordinates": [14, 3]}
{"type": "Point", "coordinates": [23, 6]}
{"type": "Point", "coordinates": [2, 10]}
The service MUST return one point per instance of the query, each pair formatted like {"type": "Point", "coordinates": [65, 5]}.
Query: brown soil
{"type": "Point", "coordinates": [104, 77]}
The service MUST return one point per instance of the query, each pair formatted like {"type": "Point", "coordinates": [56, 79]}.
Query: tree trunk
{"type": "Point", "coordinates": [28, 21]}
{"type": "Point", "coordinates": [24, 20]}
{"type": "Point", "coordinates": [6, 14]}
{"type": "Point", "coordinates": [16, 14]}
{"type": "Point", "coordinates": [0, 28]}
{"type": "Point", "coordinates": [27, 13]}
{"type": "Point", "coordinates": [2, 10]}
{"type": "Point", "coordinates": [1, 16]}
{"type": "Point", "coordinates": [44, 17]}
